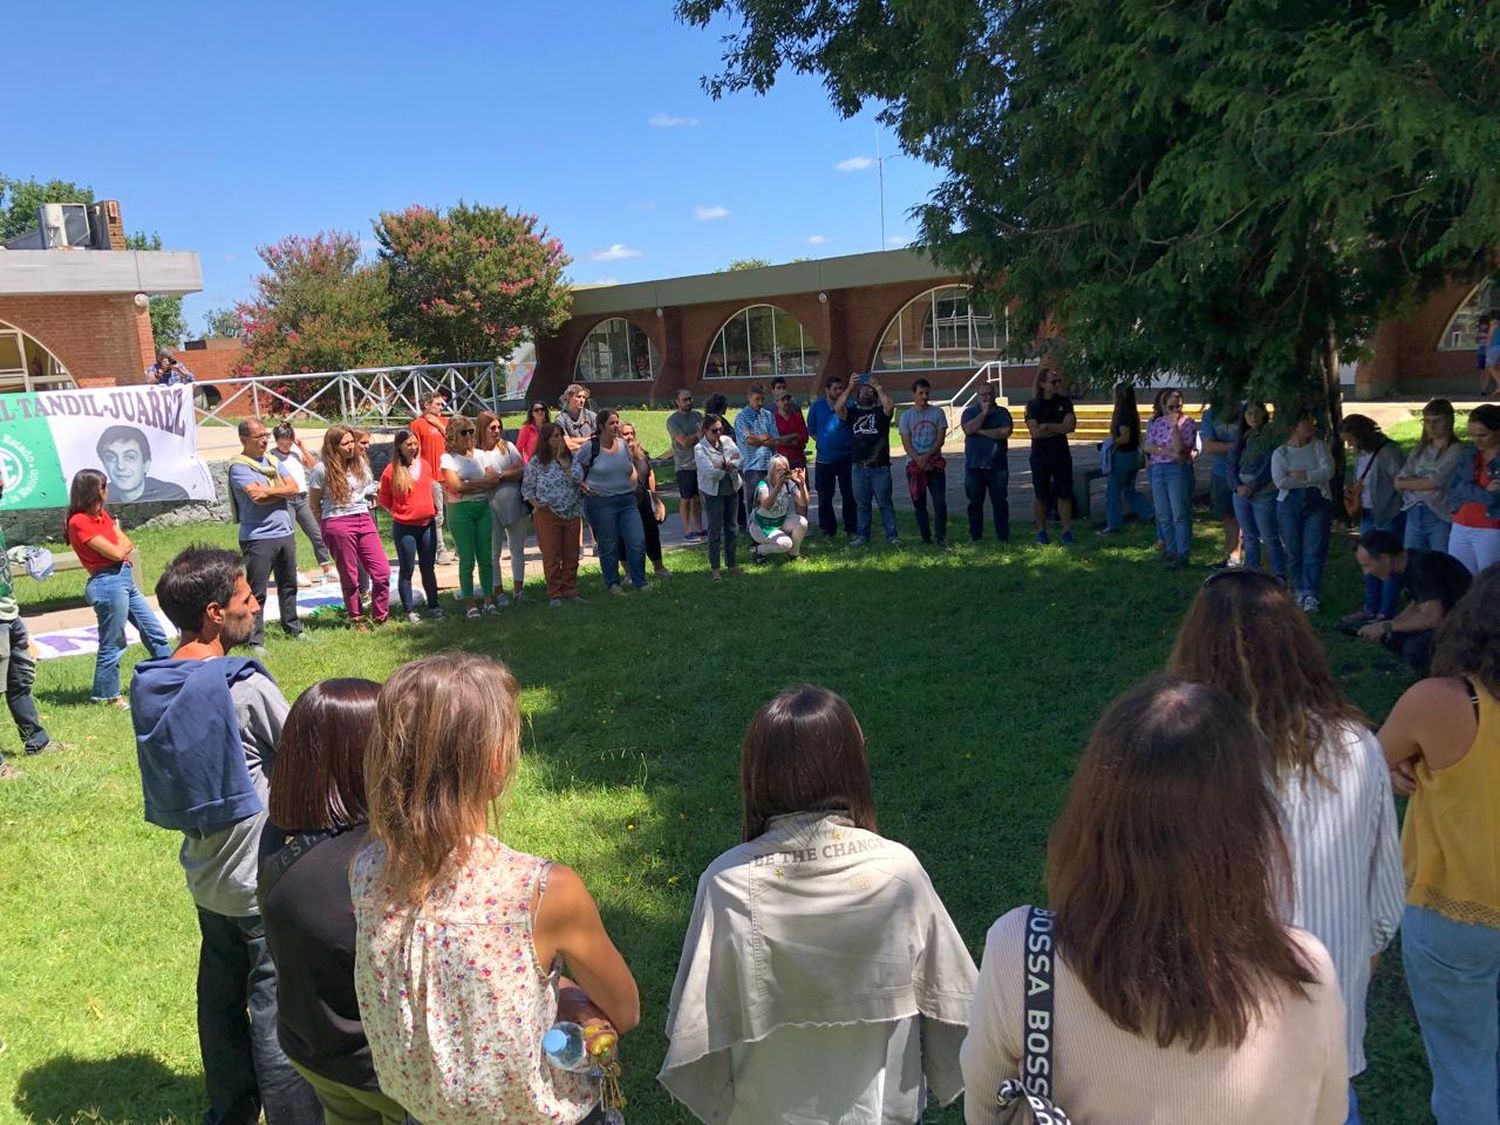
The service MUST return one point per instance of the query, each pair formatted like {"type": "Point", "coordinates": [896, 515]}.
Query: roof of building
{"type": "Point", "coordinates": [80, 271]}
{"type": "Point", "coordinates": [882, 267]}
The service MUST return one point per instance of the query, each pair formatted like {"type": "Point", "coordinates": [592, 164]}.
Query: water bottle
{"type": "Point", "coordinates": [565, 1049]}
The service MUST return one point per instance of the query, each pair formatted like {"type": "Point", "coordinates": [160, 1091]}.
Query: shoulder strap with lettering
{"type": "Point", "coordinates": [1035, 1086]}
{"type": "Point", "coordinates": [279, 862]}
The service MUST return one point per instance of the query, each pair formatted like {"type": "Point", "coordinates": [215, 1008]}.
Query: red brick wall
{"type": "Point", "coordinates": [847, 329]}
{"type": "Point", "coordinates": [101, 340]}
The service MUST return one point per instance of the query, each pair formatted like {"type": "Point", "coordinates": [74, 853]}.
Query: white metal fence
{"type": "Point", "coordinates": [372, 396]}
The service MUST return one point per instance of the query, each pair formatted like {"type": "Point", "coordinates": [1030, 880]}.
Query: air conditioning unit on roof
{"type": "Point", "coordinates": [64, 225]}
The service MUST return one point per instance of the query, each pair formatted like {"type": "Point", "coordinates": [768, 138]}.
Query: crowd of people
{"type": "Point", "coordinates": [1223, 877]}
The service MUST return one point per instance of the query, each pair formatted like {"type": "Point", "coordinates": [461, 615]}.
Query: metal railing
{"type": "Point", "coordinates": [992, 372]}
{"type": "Point", "coordinates": [371, 396]}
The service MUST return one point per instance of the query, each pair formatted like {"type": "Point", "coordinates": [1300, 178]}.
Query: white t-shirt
{"type": "Point", "coordinates": [468, 466]}
{"type": "Point", "coordinates": [291, 465]}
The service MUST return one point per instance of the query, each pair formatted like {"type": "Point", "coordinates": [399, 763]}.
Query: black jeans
{"type": "Point", "coordinates": [19, 672]}
{"type": "Point", "coordinates": [1413, 648]}
{"type": "Point", "coordinates": [244, 1068]}
{"type": "Point", "coordinates": [937, 488]}
{"type": "Point", "coordinates": [416, 548]}
{"type": "Point", "coordinates": [826, 477]}
{"type": "Point", "coordinates": [719, 511]}
{"type": "Point", "coordinates": [263, 557]}
{"type": "Point", "coordinates": [994, 483]}
{"type": "Point", "coordinates": [652, 530]}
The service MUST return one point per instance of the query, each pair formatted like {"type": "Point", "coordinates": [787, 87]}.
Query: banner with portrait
{"type": "Point", "coordinates": [144, 439]}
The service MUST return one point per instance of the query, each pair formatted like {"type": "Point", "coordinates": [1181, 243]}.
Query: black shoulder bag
{"type": "Point", "coordinates": [1029, 1097]}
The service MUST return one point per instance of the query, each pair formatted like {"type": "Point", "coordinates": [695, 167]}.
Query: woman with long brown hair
{"type": "Point", "coordinates": [1124, 463]}
{"type": "Point", "coordinates": [556, 512]}
{"type": "Point", "coordinates": [406, 492]}
{"type": "Point", "coordinates": [460, 940]}
{"type": "Point", "coordinates": [1245, 636]}
{"type": "Point", "coordinates": [104, 550]}
{"type": "Point", "coordinates": [337, 488]}
{"type": "Point", "coordinates": [316, 823]}
{"type": "Point", "coordinates": [1180, 995]}
{"type": "Point", "coordinates": [1376, 465]}
{"type": "Point", "coordinates": [1423, 480]}
{"type": "Point", "coordinates": [821, 978]}
{"type": "Point", "coordinates": [1442, 741]}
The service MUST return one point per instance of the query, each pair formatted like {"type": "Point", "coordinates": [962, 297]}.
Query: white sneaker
{"type": "Point", "coordinates": [414, 617]}
{"type": "Point", "coordinates": [501, 601]}
{"type": "Point", "coordinates": [303, 581]}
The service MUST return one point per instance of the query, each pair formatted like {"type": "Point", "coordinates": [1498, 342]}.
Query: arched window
{"type": "Point", "coordinates": [616, 349]}
{"type": "Point", "coordinates": [27, 366]}
{"type": "Point", "coordinates": [941, 328]}
{"type": "Point", "coordinates": [1483, 300]}
{"type": "Point", "coordinates": [761, 340]}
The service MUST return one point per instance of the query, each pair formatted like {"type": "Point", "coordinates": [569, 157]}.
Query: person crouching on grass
{"type": "Point", "coordinates": [461, 941]}
{"type": "Point", "coordinates": [775, 525]}
{"type": "Point", "coordinates": [847, 997]}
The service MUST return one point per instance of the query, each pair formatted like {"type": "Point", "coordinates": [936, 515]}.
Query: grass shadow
{"type": "Point", "coordinates": [128, 1088]}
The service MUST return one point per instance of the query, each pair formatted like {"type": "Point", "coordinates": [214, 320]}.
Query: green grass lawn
{"type": "Point", "coordinates": [976, 673]}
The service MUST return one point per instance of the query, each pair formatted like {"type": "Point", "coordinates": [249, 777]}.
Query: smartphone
{"type": "Point", "coordinates": [865, 378]}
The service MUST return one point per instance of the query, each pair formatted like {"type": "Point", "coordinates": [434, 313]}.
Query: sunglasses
{"type": "Point", "coordinates": [539, 410]}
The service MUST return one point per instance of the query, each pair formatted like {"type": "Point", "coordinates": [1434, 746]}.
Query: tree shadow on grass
{"type": "Point", "coordinates": [135, 1088]}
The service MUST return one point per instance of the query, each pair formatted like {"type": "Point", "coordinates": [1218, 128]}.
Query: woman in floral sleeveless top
{"type": "Point", "coordinates": [462, 940]}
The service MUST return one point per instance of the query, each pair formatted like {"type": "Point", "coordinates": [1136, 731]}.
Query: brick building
{"type": "Point", "coordinates": [894, 313]}
{"type": "Point", "coordinates": [73, 308]}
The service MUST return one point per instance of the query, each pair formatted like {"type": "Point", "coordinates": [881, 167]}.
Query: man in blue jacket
{"type": "Point", "coordinates": [833, 467]}
{"type": "Point", "coordinates": [206, 729]}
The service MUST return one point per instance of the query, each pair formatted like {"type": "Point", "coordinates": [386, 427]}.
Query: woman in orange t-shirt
{"type": "Point", "coordinates": [406, 492]}
{"type": "Point", "coordinates": [104, 550]}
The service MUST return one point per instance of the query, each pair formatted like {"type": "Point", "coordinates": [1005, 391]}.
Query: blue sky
{"type": "Point", "coordinates": [258, 120]}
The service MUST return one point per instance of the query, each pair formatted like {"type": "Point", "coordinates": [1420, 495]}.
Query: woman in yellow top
{"type": "Point", "coordinates": [1442, 742]}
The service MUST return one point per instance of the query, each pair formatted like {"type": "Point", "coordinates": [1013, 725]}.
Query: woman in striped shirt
{"type": "Point", "coordinates": [1245, 635]}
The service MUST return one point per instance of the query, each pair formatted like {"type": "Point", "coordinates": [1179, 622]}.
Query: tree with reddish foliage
{"type": "Point", "coordinates": [472, 283]}
{"type": "Point", "coordinates": [318, 307]}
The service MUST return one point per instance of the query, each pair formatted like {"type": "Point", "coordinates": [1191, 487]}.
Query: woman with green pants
{"type": "Point", "coordinates": [467, 484]}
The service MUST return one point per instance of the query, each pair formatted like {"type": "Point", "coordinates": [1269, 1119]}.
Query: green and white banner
{"type": "Point", "coordinates": [145, 439]}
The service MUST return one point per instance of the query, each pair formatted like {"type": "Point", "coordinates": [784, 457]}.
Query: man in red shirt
{"type": "Point", "coordinates": [431, 430]}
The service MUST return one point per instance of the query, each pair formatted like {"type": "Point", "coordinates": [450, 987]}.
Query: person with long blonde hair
{"type": "Point", "coordinates": [1245, 635]}
{"type": "Point", "coordinates": [509, 520]}
{"type": "Point", "coordinates": [461, 941]}
{"type": "Point", "coordinates": [337, 488]}
{"type": "Point", "coordinates": [405, 492]}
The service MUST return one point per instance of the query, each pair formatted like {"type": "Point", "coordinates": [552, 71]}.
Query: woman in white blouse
{"type": "Point", "coordinates": [718, 461]}
{"type": "Point", "coordinates": [510, 522]}
{"type": "Point", "coordinates": [1244, 635]}
{"type": "Point", "coordinates": [1301, 470]}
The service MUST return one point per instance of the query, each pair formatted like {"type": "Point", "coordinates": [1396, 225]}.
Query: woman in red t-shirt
{"type": "Point", "coordinates": [791, 440]}
{"type": "Point", "coordinates": [406, 492]}
{"type": "Point", "coordinates": [537, 417]}
{"type": "Point", "coordinates": [104, 550]}
{"type": "Point", "coordinates": [1474, 493]}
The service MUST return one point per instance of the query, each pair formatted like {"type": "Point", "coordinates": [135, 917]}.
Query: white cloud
{"type": "Point", "coordinates": [707, 214]}
{"type": "Point", "coordinates": [605, 281]}
{"type": "Point", "coordinates": [898, 240]}
{"type": "Point", "coordinates": [855, 164]}
{"type": "Point", "coordinates": [617, 252]}
{"type": "Point", "coordinates": [668, 121]}
{"type": "Point", "coordinates": [816, 239]}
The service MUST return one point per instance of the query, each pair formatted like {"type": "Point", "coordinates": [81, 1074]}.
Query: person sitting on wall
{"type": "Point", "coordinates": [168, 371]}
{"type": "Point", "coordinates": [1433, 580]}
{"type": "Point", "coordinates": [125, 455]}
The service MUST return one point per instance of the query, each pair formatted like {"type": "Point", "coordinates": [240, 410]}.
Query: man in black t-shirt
{"type": "Point", "coordinates": [1434, 582]}
{"type": "Point", "coordinates": [1049, 418]}
{"type": "Point", "coordinates": [869, 418]}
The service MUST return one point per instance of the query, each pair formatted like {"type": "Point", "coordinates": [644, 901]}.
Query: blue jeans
{"type": "Point", "coordinates": [116, 600]}
{"type": "Point", "coordinates": [872, 483]}
{"type": "Point", "coordinates": [416, 546]}
{"type": "Point", "coordinates": [1172, 496]}
{"type": "Point", "coordinates": [616, 521]}
{"type": "Point", "coordinates": [1382, 598]}
{"type": "Point", "coordinates": [244, 1066]}
{"type": "Point", "coordinates": [994, 483]}
{"type": "Point", "coordinates": [18, 673]}
{"type": "Point", "coordinates": [1425, 530]}
{"type": "Point", "coordinates": [1304, 518]}
{"type": "Point", "coordinates": [1452, 970]}
{"type": "Point", "coordinates": [1256, 516]}
{"type": "Point", "coordinates": [1120, 484]}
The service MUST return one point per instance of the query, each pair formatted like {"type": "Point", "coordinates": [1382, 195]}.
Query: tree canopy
{"type": "Point", "coordinates": [473, 282]}
{"type": "Point", "coordinates": [1237, 193]}
{"type": "Point", "coordinates": [319, 307]}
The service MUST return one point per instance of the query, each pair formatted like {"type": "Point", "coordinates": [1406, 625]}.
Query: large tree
{"type": "Point", "coordinates": [473, 282]}
{"type": "Point", "coordinates": [19, 200]}
{"type": "Point", "coordinates": [1235, 192]}
{"type": "Point", "coordinates": [319, 307]}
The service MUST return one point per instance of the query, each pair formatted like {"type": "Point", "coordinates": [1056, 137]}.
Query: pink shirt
{"type": "Point", "coordinates": [1159, 432]}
